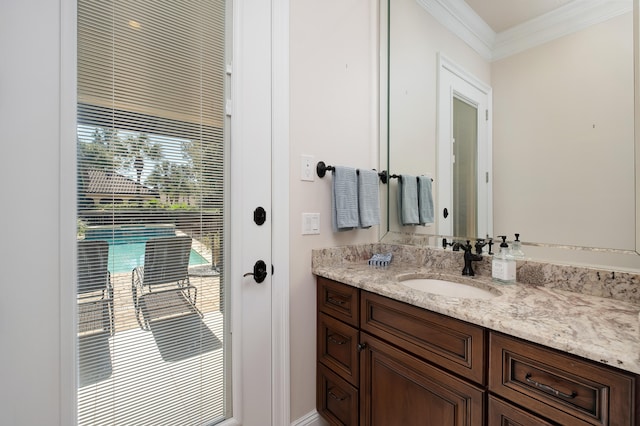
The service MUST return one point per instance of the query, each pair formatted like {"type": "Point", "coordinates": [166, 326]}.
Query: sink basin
{"type": "Point", "coordinates": [448, 288]}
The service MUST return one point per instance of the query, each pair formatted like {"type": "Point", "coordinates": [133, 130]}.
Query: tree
{"type": "Point", "coordinates": [134, 152]}
{"type": "Point", "coordinates": [175, 180]}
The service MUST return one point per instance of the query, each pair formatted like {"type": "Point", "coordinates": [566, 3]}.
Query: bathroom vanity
{"type": "Point", "coordinates": [392, 355]}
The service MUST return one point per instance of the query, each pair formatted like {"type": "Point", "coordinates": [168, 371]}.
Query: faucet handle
{"type": "Point", "coordinates": [480, 242]}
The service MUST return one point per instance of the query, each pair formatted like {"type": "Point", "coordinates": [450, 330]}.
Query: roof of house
{"type": "Point", "coordinates": [105, 182]}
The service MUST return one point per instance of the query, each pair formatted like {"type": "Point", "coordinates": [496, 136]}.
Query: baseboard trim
{"type": "Point", "coordinates": [310, 419]}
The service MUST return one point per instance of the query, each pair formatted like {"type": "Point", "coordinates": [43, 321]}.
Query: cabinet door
{"type": "Point", "coordinates": [397, 389]}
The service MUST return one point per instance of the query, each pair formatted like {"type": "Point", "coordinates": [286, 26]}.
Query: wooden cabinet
{"type": "Point", "coordinates": [400, 389]}
{"type": "Point", "coordinates": [563, 388]}
{"type": "Point", "coordinates": [364, 379]}
{"type": "Point", "coordinates": [338, 373]}
{"type": "Point", "coordinates": [384, 362]}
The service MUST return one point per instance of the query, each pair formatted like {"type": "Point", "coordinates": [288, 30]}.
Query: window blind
{"type": "Point", "coordinates": [150, 138]}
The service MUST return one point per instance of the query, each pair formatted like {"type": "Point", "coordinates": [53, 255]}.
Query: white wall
{"type": "Point", "coordinates": [30, 193]}
{"type": "Point", "coordinates": [333, 67]}
{"type": "Point", "coordinates": [563, 139]}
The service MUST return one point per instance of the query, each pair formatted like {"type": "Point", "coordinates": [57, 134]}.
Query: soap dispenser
{"type": "Point", "coordinates": [503, 265]}
{"type": "Point", "coordinates": [516, 248]}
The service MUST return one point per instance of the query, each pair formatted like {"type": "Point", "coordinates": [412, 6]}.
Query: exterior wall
{"type": "Point", "coordinates": [333, 73]}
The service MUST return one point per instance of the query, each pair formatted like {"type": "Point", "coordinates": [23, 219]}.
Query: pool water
{"type": "Point", "coordinates": [126, 257]}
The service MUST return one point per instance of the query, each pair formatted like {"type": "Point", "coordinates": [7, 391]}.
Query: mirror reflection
{"type": "Point", "coordinates": [560, 120]}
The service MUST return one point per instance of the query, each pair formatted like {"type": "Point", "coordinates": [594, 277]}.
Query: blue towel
{"type": "Point", "coordinates": [344, 199]}
{"type": "Point", "coordinates": [425, 200]}
{"type": "Point", "coordinates": [368, 198]}
{"type": "Point", "coordinates": [408, 200]}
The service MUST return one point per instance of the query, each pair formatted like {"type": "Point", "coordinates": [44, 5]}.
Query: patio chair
{"type": "Point", "coordinates": [161, 287]}
{"type": "Point", "coordinates": [95, 290]}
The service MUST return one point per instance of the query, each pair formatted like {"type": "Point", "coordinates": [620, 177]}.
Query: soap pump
{"type": "Point", "coordinates": [503, 265]}
{"type": "Point", "coordinates": [516, 248]}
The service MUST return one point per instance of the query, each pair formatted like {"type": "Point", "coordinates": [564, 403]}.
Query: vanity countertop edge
{"type": "Point", "coordinates": [596, 328]}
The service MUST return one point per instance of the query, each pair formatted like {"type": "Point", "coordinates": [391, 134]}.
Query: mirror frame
{"type": "Point", "coordinates": [618, 259]}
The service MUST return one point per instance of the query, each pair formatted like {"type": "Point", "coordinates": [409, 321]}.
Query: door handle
{"type": "Point", "coordinates": [259, 271]}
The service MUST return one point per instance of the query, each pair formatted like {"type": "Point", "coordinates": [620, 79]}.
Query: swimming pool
{"type": "Point", "coordinates": [127, 242]}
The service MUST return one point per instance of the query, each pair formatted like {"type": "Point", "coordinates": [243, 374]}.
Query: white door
{"type": "Point", "coordinates": [250, 189]}
{"type": "Point", "coordinates": [457, 88]}
{"type": "Point", "coordinates": [260, 395]}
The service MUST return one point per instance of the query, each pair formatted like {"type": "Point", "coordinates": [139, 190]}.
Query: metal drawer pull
{"type": "Point", "coordinates": [337, 342]}
{"type": "Point", "coordinates": [549, 389]}
{"type": "Point", "coordinates": [336, 397]}
{"type": "Point", "coordinates": [336, 301]}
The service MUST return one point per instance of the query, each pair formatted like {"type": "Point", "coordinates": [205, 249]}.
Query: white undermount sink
{"type": "Point", "coordinates": [448, 288]}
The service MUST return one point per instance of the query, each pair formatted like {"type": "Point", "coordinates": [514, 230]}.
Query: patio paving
{"type": "Point", "coordinates": [170, 375]}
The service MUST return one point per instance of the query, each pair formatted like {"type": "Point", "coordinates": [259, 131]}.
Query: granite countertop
{"type": "Point", "coordinates": [601, 329]}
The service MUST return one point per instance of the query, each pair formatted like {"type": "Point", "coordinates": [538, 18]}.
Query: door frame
{"type": "Point", "coordinates": [280, 383]}
{"type": "Point", "coordinates": [453, 80]}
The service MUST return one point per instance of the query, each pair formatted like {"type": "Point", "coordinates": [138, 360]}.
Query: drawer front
{"type": "Point", "coordinates": [559, 386]}
{"type": "Point", "coordinates": [338, 347]}
{"type": "Point", "coordinates": [338, 300]}
{"type": "Point", "coordinates": [505, 414]}
{"type": "Point", "coordinates": [337, 400]}
{"type": "Point", "coordinates": [452, 344]}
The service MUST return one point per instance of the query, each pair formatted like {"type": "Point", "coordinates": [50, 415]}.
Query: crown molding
{"type": "Point", "coordinates": [459, 18]}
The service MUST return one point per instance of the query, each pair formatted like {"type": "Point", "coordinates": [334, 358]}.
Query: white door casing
{"type": "Point", "coordinates": [453, 81]}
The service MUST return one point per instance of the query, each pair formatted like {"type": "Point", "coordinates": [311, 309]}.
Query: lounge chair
{"type": "Point", "coordinates": [95, 291]}
{"type": "Point", "coordinates": [161, 287]}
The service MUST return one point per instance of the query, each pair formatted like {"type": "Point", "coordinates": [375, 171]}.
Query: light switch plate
{"type": "Point", "coordinates": [310, 223]}
{"type": "Point", "coordinates": [306, 168]}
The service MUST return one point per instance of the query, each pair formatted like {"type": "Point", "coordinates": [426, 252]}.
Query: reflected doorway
{"type": "Point", "coordinates": [465, 168]}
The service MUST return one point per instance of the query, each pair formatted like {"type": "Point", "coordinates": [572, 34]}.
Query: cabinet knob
{"type": "Point", "coordinates": [361, 347]}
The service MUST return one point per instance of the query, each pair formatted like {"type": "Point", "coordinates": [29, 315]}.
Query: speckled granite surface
{"type": "Point", "coordinates": [587, 312]}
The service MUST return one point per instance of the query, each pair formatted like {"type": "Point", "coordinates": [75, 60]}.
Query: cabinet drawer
{"type": "Point", "coordinates": [337, 400]}
{"type": "Point", "coordinates": [559, 386]}
{"type": "Point", "coordinates": [338, 300]}
{"type": "Point", "coordinates": [504, 414]}
{"type": "Point", "coordinates": [452, 344]}
{"type": "Point", "coordinates": [338, 347]}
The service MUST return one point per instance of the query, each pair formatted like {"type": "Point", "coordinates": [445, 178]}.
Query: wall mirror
{"type": "Point", "coordinates": [562, 110]}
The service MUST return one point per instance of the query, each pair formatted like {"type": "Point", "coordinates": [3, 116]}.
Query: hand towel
{"type": "Point", "coordinates": [344, 199]}
{"type": "Point", "coordinates": [425, 200]}
{"type": "Point", "coordinates": [368, 198]}
{"type": "Point", "coordinates": [408, 200]}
